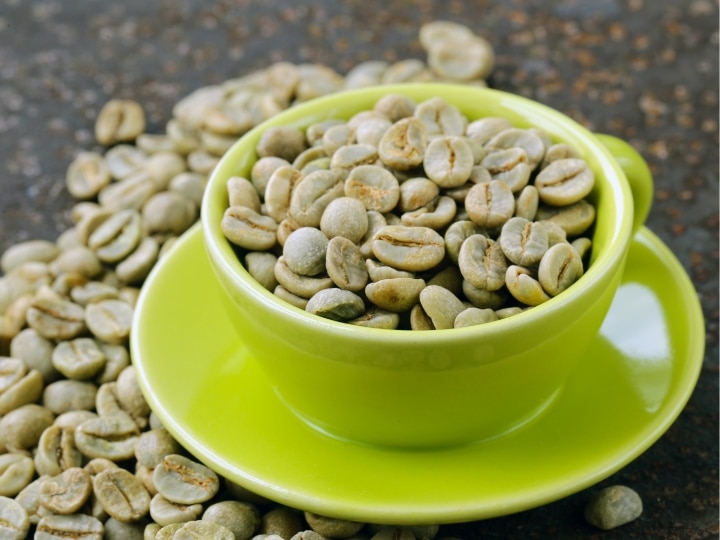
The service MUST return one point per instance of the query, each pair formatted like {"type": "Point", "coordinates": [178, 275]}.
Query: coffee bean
{"type": "Point", "coordinates": [560, 267]}
{"type": "Point", "coordinates": [25, 390]}
{"type": "Point", "coordinates": [440, 117]}
{"type": "Point", "coordinates": [403, 145]}
{"type": "Point", "coordinates": [165, 512]}
{"type": "Point", "coordinates": [490, 205]}
{"type": "Point", "coordinates": [56, 319]}
{"type": "Point", "coordinates": [524, 287]}
{"type": "Point", "coordinates": [304, 251]}
{"type": "Point", "coordinates": [121, 494]}
{"type": "Point", "coordinates": [67, 492]}
{"type": "Point", "coordinates": [14, 520]}
{"type": "Point", "coordinates": [395, 294]}
{"type": "Point", "coordinates": [474, 316]}
{"type": "Point", "coordinates": [482, 262]}
{"type": "Point", "coordinates": [408, 248]}
{"type": "Point", "coordinates": [119, 120]}
{"type": "Point", "coordinates": [248, 229]}
{"type": "Point", "coordinates": [523, 242]}
{"type": "Point", "coordinates": [80, 358]}
{"type": "Point", "coordinates": [564, 182]}
{"type": "Point", "coordinates": [184, 481]}
{"type": "Point", "coordinates": [440, 305]}
{"type": "Point", "coordinates": [303, 286]}
{"type": "Point", "coordinates": [345, 265]}
{"type": "Point", "coordinates": [335, 304]}
{"type": "Point", "coordinates": [75, 526]}
{"type": "Point", "coordinates": [68, 395]}
{"type": "Point", "coordinates": [16, 472]}
{"type": "Point", "coordinates": [56, 451]}
{"type": "Point", "coordinates": [111, 437]}
{"type": "Point", "coordinates": [29, 251]}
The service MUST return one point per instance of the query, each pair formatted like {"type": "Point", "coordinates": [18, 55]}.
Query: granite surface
{"type": "Point", "coordinates": [643, 70]}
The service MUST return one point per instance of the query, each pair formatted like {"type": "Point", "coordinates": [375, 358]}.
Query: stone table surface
{"type": "Point", "coordinates": [643, 70]}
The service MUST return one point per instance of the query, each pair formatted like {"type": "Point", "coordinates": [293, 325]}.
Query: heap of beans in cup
{"type": "Point", "coordinates": [81, 453]}
{"type": "Point", "coordinates": [410, 215]}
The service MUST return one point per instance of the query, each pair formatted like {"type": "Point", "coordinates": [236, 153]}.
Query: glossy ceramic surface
{"type": "Point", "coordinates": [446, 387]}
{"type": "Point", "coordinates": [633, 382]}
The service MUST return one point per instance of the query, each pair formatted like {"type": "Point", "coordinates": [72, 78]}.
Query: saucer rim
{"type": "Point", "coordinates": [651, 431]}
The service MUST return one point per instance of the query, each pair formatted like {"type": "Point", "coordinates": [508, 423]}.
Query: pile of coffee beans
{"type": "Point", "coordinates": [411, 215]}
{"type": "Point", "coordinates": [81, 453]}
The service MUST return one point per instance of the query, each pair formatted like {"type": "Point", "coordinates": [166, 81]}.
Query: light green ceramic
{"type": "Point", "coordinates": [201, 380]}
{"type": "Point", "coordinates": [429, 389]}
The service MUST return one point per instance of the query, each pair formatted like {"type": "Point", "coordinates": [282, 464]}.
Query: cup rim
{"type": "Point", "coordinates": [225, 261]}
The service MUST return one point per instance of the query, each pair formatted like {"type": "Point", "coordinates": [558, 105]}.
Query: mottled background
{"type": "Point", "coordinates": [645, 71]}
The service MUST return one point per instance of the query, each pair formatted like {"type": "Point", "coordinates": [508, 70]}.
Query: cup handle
{"type": "Point", "coordinates": [638, 175]}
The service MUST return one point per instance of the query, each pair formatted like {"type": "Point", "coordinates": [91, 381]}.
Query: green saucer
{"type": "Point", "coordinates": [199, 380]}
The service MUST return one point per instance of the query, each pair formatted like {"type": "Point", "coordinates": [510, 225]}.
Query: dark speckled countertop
{"type": "Point", "coordinates": [643, 70]}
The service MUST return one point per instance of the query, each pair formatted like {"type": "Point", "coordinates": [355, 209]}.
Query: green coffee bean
{"type": "Point", "coordinates": [345, 217]}
{"type": "Point", "coordinates": [284, 142]}
{"type": "Point", "coordinates": [56, 451]}
{"type": "Point", "coordinates": [514, 138]}
{"type": "Point", "coordinates": [241, 192]}
{"type": "Point", "coordinates": [345, 265]}
{"type": "Point", "coordinates": [417, 193]}
{"type": "Point", "coordinates": [560, 267]}
{"type": "Point", "coordinates": [482, 262]}
{"type": "Point", "coordinates": [261, 266]}
{"type": "Point", "coordinates": [110, 320]}
{"type": "Point", "coordinates": [121, 494]}
{"type": "Point", "coordinates": [16, 472]}
{"type": "Point", "coordinates": [526, 203]}
{"type": "Point", "coordinates": [117, 358]}
{"type": "Point", "coordinates": [395, 106]}
{"type": "Point", "coordinates": [248, 229]}
{"type": "Point", "coordinates": [291, 298]}
{"type": "Point", "coordinates": [474, 316]}
{"type": "Point", "coordinates": [263, 169]}
{"type": "Point", "coordinates": [448, 161]}
{"type": "Point", "coordinates": [524, 287]}
{"type": "Point", "coordinates": [189, 184]}
{"type": "Point", "coordinates": [80, 526]}
{"type": "Point", "coordinates": [80, 358]}
{"type": "Point", "coordinates": [14, 520]}
{"type": "Point", "coordinates": [395, 294]}
{"type": "Point", "coordinates": [130, 193]}
{"type": "Point", "coordinates": [311, 196]}
{"type": "Point", "coordinates": [67, 492]}
{"type": "Point", "coordinates": [23, 391]}
{"type": "Point", "coordinates": [304, 251]}
{"type": "Point", "coordinates": [332, 527]}
{"type": "Point", "coordinates": [403, 145]}
{"type": "Point", "coordinates": [336, 304]}
{"type": "Point", "coordinates": [508, 165]}
{"type": "Point", "coordinates": [130, 396]}
{"type": "Point", "coordinates": [110, 437]}
{"type": "Point", "coordinates": [435, 216]}
{"type": "Point", "coordinates": [196, 530]}
{"type": "Point", "coordinates": [440, 305]}
{"type": "Point", "coordinates": [136, 266]}
{"type": "Point", "coordinates": [303, 286]}
{"type": "Point", "coordinates": [462, 59]}
{"type": "Point", "coordinates": [165, 512]}
{"type": "Point", "coordinates": [484, 129]}
{"type": "Point", "coordinates": [523, 242]}
{"type": "Point", "coordinates": [168, 212]}
{"type": "Point", "coordinates": [68, 395]}
{"type": "Point", "coordinates": [490, 205]}
{"type": "Point", "coordinates": [119, 120]}
{"type": "Point", "coordinates": [414, 249]}
{"type": "Point", "coordinates": [574, 219]}
{"type": "Point", "coordinates": [440, 117]}
{"type": "Point", "coordinates": [184, 481]}
{"type": "Point", "coordinates": [564, 182]}
{"type": "Point", "coordinates": [117, 236]}
{"type": "Point", "coordinates": [123, 160]}
{"type": "Point", "coordinates": [11, 371]}
{"type": "Point", "coordinates": [29, 251]}
{"type": "Point", "coordinates": [378, 318]}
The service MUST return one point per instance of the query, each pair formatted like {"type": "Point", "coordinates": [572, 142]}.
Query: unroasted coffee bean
{"type": "Point", "coordinates": [558, 151]}
{"type": "Point", "coordinates": [560, 267]}
{"type": "Point", "coordinates": [117, 530]}
{"type": "Point", "coordinates": [527, 140]}
{"type": "Point", "coordinates": [332, 527]}
{"type": "Point", "coordinates": [25, 390]}
{"type": "Point", "coordinates": [416, 193]}
{"type": "Point", "coordinates": [119, 120]}
{"type": "Point", "coordinates": [524, 287]}
{"type": "Point", "coordinates": [21, 428]}
{"type": "Point", "coordinates": [198, 530]}
{"type": "Point", "coordinates": [29, 251]}
{"type": "Point", "coordinates": [241, 192]}
{"type": "Point", "coordinates": [346, 217]}
{"type": "Point", "coordinates": [378, 271]}
{"type": "Point", "coordinates": [402, 147]}
{"type": "Point", "coordinates": [336, 137]}
{"type": "Point", "coordinates": [284, 142]}
{"type": "Point", "coordinates": [613, 506]}
{"type": "Point", "coordinates": [14, 520]}
{"type": "Point", "coordinates": [523, 242]}
{"type": "Point", "coordinates": [16, 472]}
{"type": "Point", "coordinates": [564, 182]}
{"type": "Point", "coordinates": [11, 371]}
{"type": "Point", "coordinates": [168, 212]}
{"type": "Point", "coordinates": [414, 249]}
{"type": "Point", "coordinates": [184, 481]}
{"type": "Point", "coordinates": [440, 117]}
{"type": "Point", "coordinates": [110, 320]}
{"type": "Point", "coordinates": [291, 298]}
{"type": "Point", "coordinates": [490, 205]}
{"type": "Point", "coordinates": [440, 305]}
{"type": "Point", "coordinates": [436, 215]}
{"type": "Point", "coordinates": [482, 263]}
{"type": "Point", "coordinates": [124, 159]}
{"type": "Point", "coordinates": [395, 106]}
{"type": "Point", "coordinates": [138, 264]}
{"type": "Point", "coordinates": [510, 166]}
{"type": "Point", "coordinates": [130, 395]}
{"type": "Point", "coordinates": [303, 286]}
{"type": "Point", "coordinates": [261, 266]}
{"type": "Point", "coordinates": [72, 419]}
{"type": "Point", "coordinates": [248, 229]}
{"type": "Point", "coordinates": [574, 219]}
{"type": "Point", "coordinates": [462, 59]}
{"type": "Point", "coordinates": [448, 161]}
{"type": "Point", "coordinates": [345, 265]}
{"type": "Point", "coordinates": [68, 395]}
{"type": "Point", "coordinates": [189, 184]}
{"type": "Point", "coordinates": [277, 193]}
{"type": "Point", "coordinates": [92, 291]}
{"type": "Point", "coordinates": [473, 316]}
{"type": "Point", "coordinates": [526, 203]}
{"type": "Point", "coordinates": [76, 526]}
{"type": "Point", "coordinates": [374, 186]}
{"type": "Point", "coordinates": [111, 437]}
{"type": "Point", "coordinates": [66, 493]}
{"type": "Point", "coordinates": [167, 512]}
{"type": "Point", "coordinates": [304, 251]}
{"type": "Point", "coordinates": [80, 358]}
{"type": "Point", "coordinates": [395, 294]}
{"type": "Point", "coordinates": [241, 518]}
{"type": "Point", "coordinates": [152, 446]}
{"type": "Point", "coordinates": [56, 319]}
{"type": "Point", "coordinates": [117, 236]}
{"type": "Point", "coordinates": [336, 304]}
{"type": "Point", "coordinates": [56, 451]}
{"type": "Point", "coordinates": [281, 521]}
{"type": "Point", "coordinates": [349, 156]}
{"type": "Point", "coordinates": [312, 195]}
{"type": "Point", "coordinates": [121, 494]}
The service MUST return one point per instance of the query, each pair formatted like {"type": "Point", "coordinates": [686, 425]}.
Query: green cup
{"type": "Point", "coordinates": [442, 387]}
